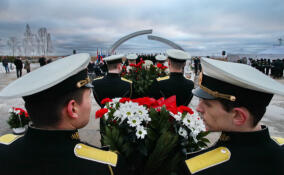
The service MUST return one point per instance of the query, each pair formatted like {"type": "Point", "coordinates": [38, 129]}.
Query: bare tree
{"type": "Point", "coordinates": [38, 46]}
{"type": "Point", "coordinates": [27, 41]}
{"type": "Point", "coordinates": [49, 44]}
{"type": "Point", "coordinates": [34, 45]}
{"type": "Point", "coordinates": [44, 41]}
{"type": "Point", "coordinates": [42, 36]}
{"type": "Point", "coordinates": [12, 44]}
{"type": "Point", "coordinates": [19, 49]}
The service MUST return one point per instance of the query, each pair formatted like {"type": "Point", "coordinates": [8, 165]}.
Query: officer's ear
{"type": "Point", "coordinates": [72, 109]}
{"type": "Point", "coordinates": [119, 66]}
{"type": "Point", "coordinates": [240, 116]}
{"type": "Point", "coordinates": [169, 62]}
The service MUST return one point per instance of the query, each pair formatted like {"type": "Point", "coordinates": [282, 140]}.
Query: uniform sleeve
{"type": "Point", "coordinates": [155, 90]}
{"type": "Point", "coordinates": [121, 168]}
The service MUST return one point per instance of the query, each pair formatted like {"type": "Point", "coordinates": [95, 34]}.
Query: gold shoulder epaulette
{"type": "Point", "coordinates": [98, 78]}
{"type": "Point", "coordinates": [208, 159]}
{"type": "Point", "coordinates": [278, 140]}
{"type": "Point", "coordinates": [95, 154]}
{"type": "Point", "coordinates": [9, 138]}
{"type": "Point", "coordinates": [124, 79]}
{"type": "Point", "coordinates": [163, 78]}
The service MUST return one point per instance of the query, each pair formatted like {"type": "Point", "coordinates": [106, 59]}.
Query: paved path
{"type": "Point", "coordinates": [274, 117]}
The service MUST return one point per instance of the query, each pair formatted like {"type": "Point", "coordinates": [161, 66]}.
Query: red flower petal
{"type": "Point", "coordinates": [123, 100]}
{"type": "Point", "coordinates": [185, 109]}
{"type": "Point", "coordinates": [106, 100]}
{"type": "Point", "coordinates": [101, 112]}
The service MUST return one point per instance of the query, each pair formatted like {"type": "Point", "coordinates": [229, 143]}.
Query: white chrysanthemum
{"type": "Point", "coordinates": [114, 102]}
{"type": "Point", "coordinates": [182, 132]}
{"type": "Point", "coordinates": [187, 121]}
{"type": "Point", "coordinates": [140, 132]}
{"type": "Point", "coordinates": [117, 114]}
{"type": "Point", "coordinates": [134, 121]}
{"type": "Point", "coordinates": [194, 134]}
{"type": "Point", "coordinates": [106, 115]}
{"type": "Point", "coordinates": [177, 116]}
{"type": "Point", "coordinates": [11, 110]}
{"type": "Point", "coordinates": [143, 113]}
{"type": "Point", "coordinates": [195, 124]}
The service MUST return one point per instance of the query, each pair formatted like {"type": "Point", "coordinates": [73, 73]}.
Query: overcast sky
{"type": "Point", "coordinates": [201, 27]}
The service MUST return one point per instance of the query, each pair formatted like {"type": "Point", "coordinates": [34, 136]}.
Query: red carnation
{"type": "Point", "coordinates": [106, 100]}
{"type": "Point", "coordinates": [164, 67]}
{"type": "Point", "coordinates": [22, 111]}
{"type": "Point", "coordinates": [101, 112]}
{"type": "Point", "coordinates": [171, 104]}
{"type": "Point", "coordinates": [159, 65]}
{"type": "Point", "coordinates": [185, 109]}
{"type": "Point", "coordinates": [145, 101]}
{"type": "Point", "coordinates": [123, 100]}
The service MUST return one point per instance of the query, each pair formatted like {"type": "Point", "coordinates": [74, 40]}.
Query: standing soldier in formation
{"type": "Point", "coordinates": [111, 85]}
{"type": "Point", "coordinates": [58, 106]}
{"type": "Point", "coordinates": [176, 83]}
{"type": "Point", "coordinates": [131, 59]}
{"type": "Point", "coordinates": [233, 99]}
{"type": "Point", "coordinates": [162, 59]}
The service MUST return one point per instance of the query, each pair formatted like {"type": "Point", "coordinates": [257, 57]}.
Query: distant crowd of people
{"type": "Point", "coordinates": [19, 63]}
{"type": "Point", "coordinates": [274, 68]}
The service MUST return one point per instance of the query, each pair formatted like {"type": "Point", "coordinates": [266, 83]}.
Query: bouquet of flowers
{"type": "Point", "coordinates": [143, 75]}
{"type": "Point", "coordinates": [152, 135]}
{"type": "Point", "coordinates": [18, 118]}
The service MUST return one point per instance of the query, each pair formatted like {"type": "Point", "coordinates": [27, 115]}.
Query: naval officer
{"type": "Point", "coordinates": [112, 85]}
{"type": "Point", "coordinates": [233, 100]}
{"type": "Point", "coordinates": [58, 106]}
{"type": "Point", "coordinates": [176, 83]}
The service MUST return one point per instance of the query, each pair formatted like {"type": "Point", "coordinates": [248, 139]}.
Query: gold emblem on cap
{"type": "Point", "coordinates": [83, 82]}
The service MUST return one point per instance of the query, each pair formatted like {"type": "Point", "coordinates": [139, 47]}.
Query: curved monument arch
{"type": "Point", "coordinates": [150, 37]}
{"type": "Point", "coordinates": [166, 41]}
{"type": "Point", "coordinates": [127, 37]}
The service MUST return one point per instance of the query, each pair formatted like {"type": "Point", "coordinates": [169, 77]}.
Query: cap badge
{"type": "Point", "coordinates": [83, 82]}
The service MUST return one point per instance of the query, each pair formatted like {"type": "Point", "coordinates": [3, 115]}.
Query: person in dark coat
{"type": "Point", "coordinates": [176, 83]}
{"type": "Point", "coordinates": [42, 61]}
{"type": "Point", "coordinates": [233, 99]}
{"type": "Point", "coordinates": [5, 63]}
{"type": "Point", "coordinates": [19, 66]}
{"type": "Point", "coordinates": [111, 85]}
{"type": "Point", "coordinates": [58, 106]}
